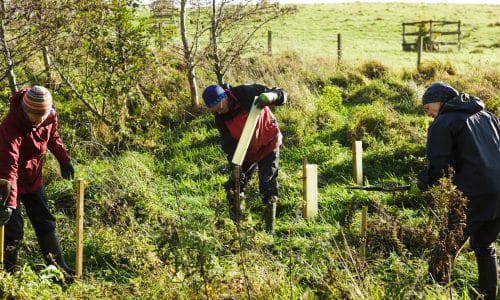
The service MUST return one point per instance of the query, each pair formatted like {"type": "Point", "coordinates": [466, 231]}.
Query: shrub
{"type": "Point", "coordinates": [374, 69]}
{"type": "Point", "coordinates": [435, 70]}
{"type": "Point", "coordinates": [375, 91]}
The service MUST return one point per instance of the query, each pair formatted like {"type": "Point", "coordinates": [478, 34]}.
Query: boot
{"type": "Point", "coordinates": [488, 273]}
{"type": "Point", "coordinates": [10, 257]}
{"type": "Point", "coordinates": [269, 213]}
{"type": "Point", "coordinates": [53, 255]}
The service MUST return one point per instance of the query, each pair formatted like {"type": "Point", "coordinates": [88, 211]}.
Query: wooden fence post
{"type": "Point", "coordinates": [357, 161]}
{"type": "Point", "coordinates": [458, 38]}
{"type": "Point", "coordinates": [79, 228]}
{"type": "Point", "coordinates": [310, 193]}
{"type": "Point", "coordinates": [269, 42]}
{"type": "Point", "coordinates": [431, 40]}
{"type": "Point", "coordinates": [419, 53]}
{"type": "Point", "coordinates": [339, 48]}
{"type": "Point", "coordinates": [238, 214]}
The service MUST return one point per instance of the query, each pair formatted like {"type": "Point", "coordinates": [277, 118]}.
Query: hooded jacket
{"type": "Point", "coordinates": [230, 124]}
{"type": "Point", "coordinates": [23, 146]}
{"type": "Point", "coordinates": [467, 138]}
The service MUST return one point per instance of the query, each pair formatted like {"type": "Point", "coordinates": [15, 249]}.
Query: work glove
{"type": "Point", "coordinates": [67, 170]}
{"type": "Point", "coordinates": [5, 214]}
{"type": "Point", "coordinates": [265, 99]}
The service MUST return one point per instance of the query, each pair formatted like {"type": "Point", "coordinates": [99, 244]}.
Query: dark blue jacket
{"type": "Point", "coordinates": [467, 138]}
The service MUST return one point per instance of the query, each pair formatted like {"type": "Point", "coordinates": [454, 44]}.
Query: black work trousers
{"type": "Point", "coordinates": [483, 237]}
{"type": "Point", "coordinates": [268, 175]}
{"type": "Point", "coordinates": [37, 209]}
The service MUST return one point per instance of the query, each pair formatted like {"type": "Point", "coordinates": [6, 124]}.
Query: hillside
{"type": "Point", "coordinates": [156, 218]}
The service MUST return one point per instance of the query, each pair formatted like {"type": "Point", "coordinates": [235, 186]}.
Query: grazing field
{"type": "Point", "coordinates": [374, 31]}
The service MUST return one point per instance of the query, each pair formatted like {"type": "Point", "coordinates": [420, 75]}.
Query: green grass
{"type": "Point", "coordinates": [374, 31]}
{"type": "Point", "coordinates": [156, 217]}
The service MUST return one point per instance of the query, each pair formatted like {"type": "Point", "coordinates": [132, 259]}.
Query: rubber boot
{"type": "Point", "coordinates": [269, 214]}
{"type": "Point", "coordinates": [488, 274]}
{"type": "Point", "coordinates": [53, 255]}
{"type": "Point", "coordinates": [10, 257]}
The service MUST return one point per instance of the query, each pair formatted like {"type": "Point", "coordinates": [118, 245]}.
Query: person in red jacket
{"type": "Point", "coordinates": [231, 106]}
{"type": "Point", "coordinates": [28, 130]}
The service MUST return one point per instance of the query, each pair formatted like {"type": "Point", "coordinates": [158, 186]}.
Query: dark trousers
{"type": "Point", "coordinates": [37, 209]}
{"type": "Point", "coordinates": [483, 236]}
{"type": "Point", "coordinates": [268, 175]}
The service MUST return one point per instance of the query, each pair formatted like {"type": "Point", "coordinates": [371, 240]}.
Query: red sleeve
{"type": "Point", "coordinates": [9, 150]}
{"type": "Point", "coordinates": [56, 145]}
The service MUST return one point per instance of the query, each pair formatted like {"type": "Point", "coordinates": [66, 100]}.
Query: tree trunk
{"type": "Point", "coordinates": [215, 49]}
{"type": "Point", "coordinates": [9, 65]}
{"type": "Point", "coordinates": [46, 61]}
{"type": "Point", "coordinates": [188, 58]}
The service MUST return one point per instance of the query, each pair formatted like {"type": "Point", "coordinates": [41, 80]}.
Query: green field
{"type": "Point", "coordinates": [374, 31]}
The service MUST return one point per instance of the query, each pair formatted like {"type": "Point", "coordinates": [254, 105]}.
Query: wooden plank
{"type": "Point", "coordinates": [246, 135]}
{"type": "Point", "coordinates": [310, 191]}
{"type": "Point", "coordinates": [79, 228]}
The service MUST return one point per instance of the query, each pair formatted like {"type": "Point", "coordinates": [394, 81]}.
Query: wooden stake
{"type": "Point", "coordinates": [269, 42]}
{"type": "Point", "coordinates": [310, 173]}
{"type": "Point", "coordinates": [339, 48]}
{"type": "Point", "coordinates": [79, 228]}
{"type": "Point", "coordinates": [237, 200]}
{"type": "Point", "coordinates": [357, 159]}
{"type": "Point", "coordinates": [420, 49]}
{"type": "Point", "coordinates": [362, 248]}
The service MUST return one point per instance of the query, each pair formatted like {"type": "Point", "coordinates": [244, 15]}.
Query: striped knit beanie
{"type": "Point", "coordinates": [37, 100]}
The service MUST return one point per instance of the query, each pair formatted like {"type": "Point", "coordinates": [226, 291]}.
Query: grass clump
{"type": "Point", "coordinates": [374, 69]}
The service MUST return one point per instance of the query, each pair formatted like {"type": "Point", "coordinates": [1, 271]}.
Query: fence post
{"type": "Point", "coordinates": [269, 42]}
{"type": "Point", "coordinates": [419, 54]}
{"type": "Point", "coordinates": [357, 159]}
{"type": "Point", "coordinates": [79, 228]}
{"type": "Point", "coordinates": [459, 33]}
{"type": "Point", "coordinates": [339, 48]}
{"type": "Point", "coordinates": [431, 41]}
{"type": "Point", "coordinates": [403, 36]}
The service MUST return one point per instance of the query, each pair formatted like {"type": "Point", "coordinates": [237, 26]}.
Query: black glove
{"type": "Point", "coordinates": [5, 214]}
{"type": "Point", "coordinates": [67, 170]}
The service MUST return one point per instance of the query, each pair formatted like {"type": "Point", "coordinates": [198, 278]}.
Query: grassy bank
{"type": "Point", "coordinates": [156, 218]}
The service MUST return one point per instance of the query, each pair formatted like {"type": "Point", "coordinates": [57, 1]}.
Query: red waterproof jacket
{"type": "Point", "coordinates": [23, 146]}
{"type": "Point", "coordinates": [266, 137]}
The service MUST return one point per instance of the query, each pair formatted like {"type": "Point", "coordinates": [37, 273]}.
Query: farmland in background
{"type": "Point", "coordinates": [374, 31]}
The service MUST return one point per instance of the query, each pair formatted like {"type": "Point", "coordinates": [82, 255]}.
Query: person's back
{"type": "Point", "coordinates": [466, 138]}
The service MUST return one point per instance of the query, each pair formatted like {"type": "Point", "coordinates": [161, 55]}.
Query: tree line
{"type": "Point", "coordinates": [96, 51]}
